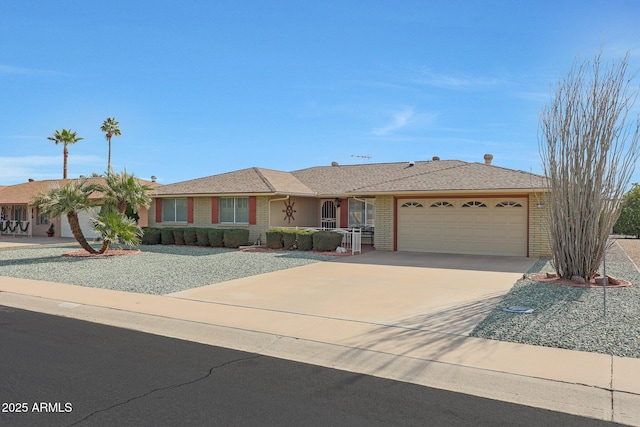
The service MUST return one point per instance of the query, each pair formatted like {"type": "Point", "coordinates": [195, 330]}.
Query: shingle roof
{"type": "Point", "coordinates": [443, 175]}
{"type": "Point", "coordinates": [24, 192]}
{"type": "Point", "coordinates": [251, 180]}
{"type": "Point", "coordinates": [374, 178]}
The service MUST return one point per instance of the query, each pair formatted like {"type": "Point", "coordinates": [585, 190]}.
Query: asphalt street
{"type": "Point", "coordinates": [58, 371]}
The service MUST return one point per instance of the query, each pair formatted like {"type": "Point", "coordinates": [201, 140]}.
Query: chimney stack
{"type": "Point", "coordinates": [488, 158]}
{"type": "Point", "coordinates": [435, 158]}
{"type": "Point", "coordinates": [334, 164]}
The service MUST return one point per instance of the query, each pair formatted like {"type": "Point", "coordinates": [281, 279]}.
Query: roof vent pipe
{"type": "Point", "coordinates": [153, 178]}
{"type": "Point", "coordinates": [31, 179]}
{"type": "Point", "coordinates": [412, 164]}
{"type": "Point", "coordinates": [488, 158]}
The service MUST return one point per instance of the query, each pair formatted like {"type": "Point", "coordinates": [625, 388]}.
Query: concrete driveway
{"type": "Point", "coordinates": [400, 316]}
{"type": "Point", "coordinates": [434, 292]}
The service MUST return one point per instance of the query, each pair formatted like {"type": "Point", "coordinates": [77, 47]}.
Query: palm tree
{"type": "Point", "coordinates": [116, 228]}
{"type": "Point", "coordinates": [68, 200]}
{"type": "Point", "coordinates": [110, 127]}
{"type": "Point", "coordinates": [65, 137]}
{"type": "Point", "coordinates": [122, 189]}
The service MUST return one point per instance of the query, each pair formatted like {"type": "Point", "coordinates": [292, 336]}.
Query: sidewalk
{"type": "Point", "coordinates": [588, 384]}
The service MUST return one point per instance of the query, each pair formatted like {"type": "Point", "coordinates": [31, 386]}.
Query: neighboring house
{"type": "Point", "coordinates": [446, 206]}
{"type": "Point", "coordinates": [15, 205]}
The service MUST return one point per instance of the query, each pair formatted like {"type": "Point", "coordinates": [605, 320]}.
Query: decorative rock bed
{"type": "Point", "coordinates": [111, 252]}
{"type": "Point", "coordinates": [597, 282]}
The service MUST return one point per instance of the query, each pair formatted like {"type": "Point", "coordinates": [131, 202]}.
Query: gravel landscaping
{"type": "Point", "coordinates": [569, 317]}
{"type": "Point", "coordinates": [156, 270]}
{"type": "Point", "coordinates": [564, 317]}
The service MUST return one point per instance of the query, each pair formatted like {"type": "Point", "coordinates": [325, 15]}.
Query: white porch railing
{"type": "Point", "coordinates": [16, 228]}
{"type": "Point", "coordinates": [351, 239]}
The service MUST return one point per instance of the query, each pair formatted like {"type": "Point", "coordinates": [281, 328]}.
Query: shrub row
{"type": "Point", "coordinates": [216, 237]}
{"type": "Point", "coordinates": [304, 240]}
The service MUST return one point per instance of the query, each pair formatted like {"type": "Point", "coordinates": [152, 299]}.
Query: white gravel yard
{"type": "Point", "coordinates": [564, 317]}
{"type": "Point", "coordinates": [156, 270]}
{"type": "Point", "coordinates": [572, 318]}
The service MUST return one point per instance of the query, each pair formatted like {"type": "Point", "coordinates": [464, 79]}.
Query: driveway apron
{"type": "Point", "coordinates": [433, 292]}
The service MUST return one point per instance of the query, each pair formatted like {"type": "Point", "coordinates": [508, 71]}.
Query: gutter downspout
{"type": "Point", "coordinates": [275, 200]}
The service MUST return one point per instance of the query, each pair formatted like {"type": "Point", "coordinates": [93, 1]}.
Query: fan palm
{"type": "Point", "coordinates": [122, 189]}
{"type": "Point", "coordinates": [116, 228]}
{"type": "Point", "coordinates": [110, 127]}
{"type": "Point", "coordinates": [68, 200]}
{"type": "Point", "coordinates": [65, 137]}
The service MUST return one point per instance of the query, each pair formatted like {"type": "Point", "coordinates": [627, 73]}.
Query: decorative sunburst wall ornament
{"type": "Point", "coordinates": [289, 211]}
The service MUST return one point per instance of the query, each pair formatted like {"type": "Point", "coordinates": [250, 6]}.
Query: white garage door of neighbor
{"type": "Point", "coordinates": [488, 226]}
{"type": "Point", "coordinates": [85, 224]}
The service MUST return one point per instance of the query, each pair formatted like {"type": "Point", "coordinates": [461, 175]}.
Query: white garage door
{"type": "Point", "coordinates": [465, 226]}
{"type": "Point", "coordinates": [85, 224]}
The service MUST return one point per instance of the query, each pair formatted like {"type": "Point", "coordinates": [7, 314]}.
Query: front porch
{"type": "Point", "coordinates": [22, 220]}
{"type": "Point", "coordinates": [16, 228]}
{"type": "Point", "coordinates": [337, 214]}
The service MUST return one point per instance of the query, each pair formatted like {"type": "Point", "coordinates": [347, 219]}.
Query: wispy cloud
{"type": "Point", "coordinates": [10, 69]}
{"type": "Point", "coordinates": [426, 76]}
{"type": "Point", "coordinates": [404, 118]}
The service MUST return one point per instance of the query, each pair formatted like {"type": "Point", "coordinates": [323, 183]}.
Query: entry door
{"type": "Point", "coordinates": [328, 215]}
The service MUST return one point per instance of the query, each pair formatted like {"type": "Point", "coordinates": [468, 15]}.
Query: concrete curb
{"type": "Point", "coordinates": [591, 398]}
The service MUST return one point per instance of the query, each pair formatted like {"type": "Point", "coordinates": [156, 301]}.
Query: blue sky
{"type": "Point", "coordinates": [205, 87]}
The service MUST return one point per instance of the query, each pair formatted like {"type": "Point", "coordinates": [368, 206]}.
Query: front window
{"type": "Point", "coordinates": [234, 210]}
{"type": "Point", "coordinates": [362, 213]}
{"type": "Point", "coordinates": [42, 219]}
{"type": "Point", "coordinates": [19, 213]}
{"type": "Point", "coordinates": [174, 210]}
{"type": "Point", "coordinates": [13, 213]}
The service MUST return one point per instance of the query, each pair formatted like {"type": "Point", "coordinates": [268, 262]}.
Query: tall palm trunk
{"type": "Point", "coordinates": [109, 155]}
{"type": "Point", "coordinates": [66, 156]}
{"type": "Point", "coordinates": [74, 223]}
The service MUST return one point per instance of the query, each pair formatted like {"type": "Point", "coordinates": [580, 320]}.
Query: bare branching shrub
{"type": "Point", "coordinates": [588, 154]}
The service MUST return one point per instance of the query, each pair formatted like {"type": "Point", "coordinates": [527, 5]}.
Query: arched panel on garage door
{"type": "Point", "coordinates": [491, 226]}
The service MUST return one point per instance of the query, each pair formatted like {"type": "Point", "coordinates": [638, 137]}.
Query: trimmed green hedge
{"type": "Point", "coordinates": [326, 241]}
{"type": "Point", "coordinates": [290, 239]}
{"type": "Point", "coordinates": [215, 236]}
{"type": "Point", "coordinates": [202, 236]}
{"type": "Point", "coordinates": [235, 237]}
{"type": "Point", "coordinates": [178, 236]}
{"type": "Point", "coordinates": [305, 239]}
{"type": "Point", "coordinates": [151, 236]}
{"type": "Point", "coordinates": [190, 236]}
{"type": "Point", "coordinates": [167, 236]}
{"type": "Point", "coordinates": [274, 238]}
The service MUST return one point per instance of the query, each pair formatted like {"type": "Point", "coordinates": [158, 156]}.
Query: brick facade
{"type": "Point", "coordinates": [539, 245]}
{"type": "Point", "coordinates": [202, 217]}
{"type": "Point", "coordinates": [384, 235]}
{"type": "Point", "coordinates": [385, 221]}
